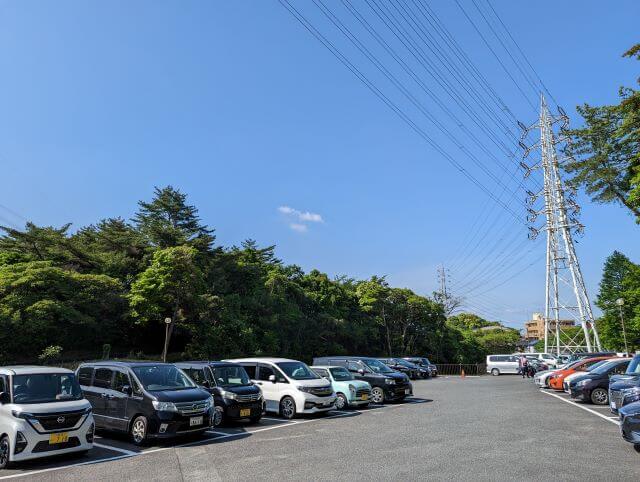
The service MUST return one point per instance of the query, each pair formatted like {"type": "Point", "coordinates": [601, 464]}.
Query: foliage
{"type": "Point", "coordinates": [606, 150]}
{"type": "Point", "coordinates": [50, 353]}
{"type": "Point", "coordinates": [112, 284]}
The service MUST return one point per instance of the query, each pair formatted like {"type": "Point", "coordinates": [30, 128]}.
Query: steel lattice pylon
{"type": "Point", "coordinates": [564, 281]}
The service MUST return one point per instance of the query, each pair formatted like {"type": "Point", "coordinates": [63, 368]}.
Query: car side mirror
{"type": "Point", "coordinates": [126, 389]}
{"type": "Point", "coordinates": [361, 371]}
{"type": "Point", "coordinates": [272, 378]}
{"type": "Point", "coordinates": [5, 398]}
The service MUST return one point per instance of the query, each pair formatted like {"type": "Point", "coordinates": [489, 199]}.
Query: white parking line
{"type": "Point", "coordinates": [115, 449]}
{"type": "Point", "coordinates": [604, 417]}
{"type": "Point", "coordinates": [63, 467]}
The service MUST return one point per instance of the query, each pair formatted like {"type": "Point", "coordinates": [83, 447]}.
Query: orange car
{"type": "Point", "coordinates": [555, 380]}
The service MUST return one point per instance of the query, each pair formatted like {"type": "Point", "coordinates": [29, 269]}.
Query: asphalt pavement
{"type": "Point", "coordinates": [484, 428]}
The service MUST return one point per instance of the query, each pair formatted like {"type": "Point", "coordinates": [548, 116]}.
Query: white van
{"type": "Point", "coordinates": [42, 413]}
{"type": "Point", "coordinates": [499, 364]}
{"type": "Point", "coordinates": [289, 387]}
{"type": "Point", "coordinates": [546, 358]}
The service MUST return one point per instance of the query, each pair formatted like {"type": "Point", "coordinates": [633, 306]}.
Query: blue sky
{"type": "Point", "coordinates": [273, 139]}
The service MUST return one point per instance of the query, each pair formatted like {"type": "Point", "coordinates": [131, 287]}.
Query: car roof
{"type": "Point", "coordinates": [31, 370]}
{"type": "Point", "coordinates": [346, 357]}
{"type": "Point", "coordinates": [206, 363]}
{"type": "Point", "coordinates": [326, 367]}
{"type": "Point", "coordinates": [123, 363]}
{"type": "Point", "coordinates": [261, 359]}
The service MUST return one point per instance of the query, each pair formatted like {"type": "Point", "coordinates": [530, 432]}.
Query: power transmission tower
{"type": "Point", "coordinates": [565, 290]}
{"type": "Point", "coordinates": [443, 296]}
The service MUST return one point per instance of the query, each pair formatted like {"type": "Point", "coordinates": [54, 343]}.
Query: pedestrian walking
{"type": "Point", "coordinates": [524, 366]}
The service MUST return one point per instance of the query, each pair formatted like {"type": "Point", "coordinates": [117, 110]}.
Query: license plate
{"type": "Point", "coordinates": [245, 412]}
{"type": "Point", "coordinates": [613, 405]}
{"type": "Point", "coordinates": [195, 421]}
{"type": "Point", "coordinates": [407, 392]}
{"type": "Point", "coordinates": [364, 397]}
{"type": "Point", "coordinates": [58, 438]}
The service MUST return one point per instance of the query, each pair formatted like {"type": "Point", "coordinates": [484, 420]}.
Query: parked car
{"type": "Point", "coordinates": [349, 391]}
{"type": "Point", "coordinates": [424, 363]}
{"type": "Point", "coordinates": [630, 424]}
{"type": "Point", "coordinates": [578, 373]}
{"type": "Point", "coordinates": [625, 389]}
{"type": "Point", "coordinates": [386, 384]}
{"type": "Point", "coordinates": [409, 369]}
{"type": "Point", "coordinates": [541, 379]}
{"type": "Point", "coordinates": [556, 380]}
{"type": "Point", "coordinates": [593, 386]}
{"type": "Point", "coordinates": [289, 387]}
{"type": "Point", "coordinates": [42, 413]}
{"type": "Point", "coordinates": [502, 364]}
{"type": "Point", "coordinates": [235, 396]}
{"type": "Point", "coordinates": [145, 399]}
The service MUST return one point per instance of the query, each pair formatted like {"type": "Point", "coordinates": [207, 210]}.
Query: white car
{"type": "Point", "coordinates": [549, 360]}
{"type": "Point", "coordinates": [541, 379]}
{"type": "Point", "coordinates": [42, 413]}
{"type": "Point", "coordinates": [289, 387]}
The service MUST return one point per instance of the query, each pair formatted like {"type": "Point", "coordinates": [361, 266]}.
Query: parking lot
{"type": "Point", "coordinates": [484, 428]}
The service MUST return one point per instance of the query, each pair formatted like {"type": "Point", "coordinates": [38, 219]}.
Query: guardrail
{"type": "Point", "coordinates": [457, 368]}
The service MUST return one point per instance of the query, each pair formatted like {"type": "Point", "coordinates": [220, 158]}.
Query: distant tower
{"type": "Point", "coordinates": [565, 292]}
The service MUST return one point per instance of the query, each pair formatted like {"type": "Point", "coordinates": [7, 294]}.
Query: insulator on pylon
{"type": "Point", "coordinates": [533, 233]}
{"type": "Point", "coordinates": [524, 147]}
{"type": "Point", "coordinates": [523, 127]}
{"type": "Point", "coordinates": [562, 112]}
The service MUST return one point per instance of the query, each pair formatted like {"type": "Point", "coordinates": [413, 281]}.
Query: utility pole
{"type": "Point", "coordinates": [564, 282]}
{"type": "Point", "coordinates": [620, 303]}
{"type": "Point", "coordinates": [442, 278]}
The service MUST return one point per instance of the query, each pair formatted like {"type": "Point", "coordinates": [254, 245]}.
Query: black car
{"type": "Point", "coordinates": [145, 399]}
{"type": "Point", "coordinates": [386, 384]}
{"type": "Point", "coordinates": [630, 424]}
{"type": "Point", "coordinates": [413, 371]}
{"type": "Point", "coordinates": [593, 386]}
{"type": "Point", "coordinates": [424, 363]}
{"type": "Point", "coordinates": [625, 389]}
{"type": "Point", "coordinates": [235, 396]}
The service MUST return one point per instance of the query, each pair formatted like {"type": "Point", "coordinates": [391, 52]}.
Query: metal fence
{"type": "Point", "coordinates": [457, 368]}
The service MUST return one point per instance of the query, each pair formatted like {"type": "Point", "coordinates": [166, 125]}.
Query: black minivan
{"type": "Point", "coordinates": [145, 399]}
{"type": "Point", "coordinates": [235, 396]}
{"type": "Point", "coordinates": [386, 384]}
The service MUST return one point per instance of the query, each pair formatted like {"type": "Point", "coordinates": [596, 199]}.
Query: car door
{"type": "Point", "coordinates": [117, 401]}
{"type": "Point", "coordinates": [101, 387]}
{"type": "Point", "coordinates": [270, 390]}
{"type": "Point", "coordinates": [85, 379]}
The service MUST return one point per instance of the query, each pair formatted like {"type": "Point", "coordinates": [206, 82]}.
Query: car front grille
{"type": "Point", "coordinates": [192, 408]}
{"type": "Point", "coordinates": [58, 421]}
{"type": "Point", "coordinates": [321, 391]}
{"type": "Point", "coordinates": [362, 391]}
{"type": "Point", "coordinates": [252, 397]}
{"type": "Point", "coordinates": [45, 446]}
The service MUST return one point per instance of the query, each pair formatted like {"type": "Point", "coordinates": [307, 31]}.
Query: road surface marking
{"type": "Point", "coordinates": [604, 417]}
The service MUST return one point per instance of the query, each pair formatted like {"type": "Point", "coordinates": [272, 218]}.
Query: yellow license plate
{"type": "Point", "coordinates": [245, 412]}
{"type": "Point", "coordinates": [58, 438]}
{"type": "Point", "coordinates": [365, 397]}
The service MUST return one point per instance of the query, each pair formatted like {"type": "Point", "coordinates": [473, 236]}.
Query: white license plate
{"type": "Point", "coordinates": [195, 421]}
{"type": "Point", "coordinates": [613, 405]}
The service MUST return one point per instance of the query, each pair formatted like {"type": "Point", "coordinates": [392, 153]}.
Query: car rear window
{"type": "Point", "coordinates": [84, 376]}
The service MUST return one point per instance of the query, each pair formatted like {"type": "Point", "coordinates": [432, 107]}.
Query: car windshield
{"type": "Point", "coordinates": [377, 366]}
{"type": "Point", "coordinates": [341, 374]}
{"type": "Point", "coordinates": [230, 376]}
{"type": "Point", "coordinates": [297, 371]}
{"type": "Point", "coordinates": [596, 365]}
{"type": "Point", "coordinates": [634, 367]}
{"type": "Point", "coordinates": [45, 388]}
{"type": "Point", "coordinates": [426, 361]}
{"type": "Point", "coordinates": [604, 367]}
{"type": "Point", "coordinates": [155, 378]}
{"type": "Point", "coordinates": [407, 364]}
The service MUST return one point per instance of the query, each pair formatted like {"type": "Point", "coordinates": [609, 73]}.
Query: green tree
{"type": "Point", "coordinates": [606, 150]}
{"type": "Point", "coordinates": [172, 286]}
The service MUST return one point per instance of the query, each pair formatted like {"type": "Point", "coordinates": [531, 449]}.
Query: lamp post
{"type": "Point", "coordinates": [167, 323]}
{"type": "Point", "coordinates": [620, 303]}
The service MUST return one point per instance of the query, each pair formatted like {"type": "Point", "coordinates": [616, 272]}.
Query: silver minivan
{"type": "Point", "coordinates": [499, 364]}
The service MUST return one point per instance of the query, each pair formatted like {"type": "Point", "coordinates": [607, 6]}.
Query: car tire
{"type": "Point", "coordinates": [341, 401]}
{"type": "Point", "coordinates": [5, 452]}
{"type": "Point", "coordinates": [218, 416]}
{"type": "Point", "coordinates": [495, 372]}
{"type": "Point", "coordinates": [599, 396]}
{"type": "Point", "coordinates": [288, 408]}
{"type": "Point", "coordinates": [377, 395]}
{"type": "Point", "coordinates": [255, 419]}
{"type": "Point", "coordinates": [138, 430]}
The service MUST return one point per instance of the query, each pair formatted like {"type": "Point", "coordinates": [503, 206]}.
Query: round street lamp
{"type": "Point", "coordinates": [167, 322]}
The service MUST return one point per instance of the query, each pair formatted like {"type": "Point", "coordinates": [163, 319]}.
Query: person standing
{"type": "Point", "coordinates": [524, 366]}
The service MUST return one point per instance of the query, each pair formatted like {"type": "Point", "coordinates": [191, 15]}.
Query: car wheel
{"type": "Point", "coordinates": [495, 372]}
{"type": "Point", "coordinates": [599, 396]}
{"type": "Point", "coordinates": [218, 416]}
{"type": "Point", "coordinates": [377, 395]}
{"type": "Point", "coordinates": [139, 430]}
{"type": "Point", "coordinates": [341, 401]}
{"type": "Point", "coordinates": [288, 408]}
{"type": "Point", "coordinates": [5, 452]}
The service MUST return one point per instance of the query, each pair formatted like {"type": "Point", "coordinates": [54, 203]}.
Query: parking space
{"type": "Point", "coordinates": [114, 446]}
{"type": "Point", "coordinates": [601, 411]}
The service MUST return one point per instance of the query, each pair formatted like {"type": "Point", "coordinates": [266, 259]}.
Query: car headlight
{"type": "Point", "coordinates": [304, 389]}
{"type": "Point", "coordinates": [209, 403]}
{"type": "Point", "coordinates": [389, 381]}
{"type": "Point", "coordinates": [228, 395]}
{"type": "Point", "coordinates": [630, 395]}
{"type": "Point", "coordinates": [164, 406]}
{"type": "Point", "coordinates": [582, 383]}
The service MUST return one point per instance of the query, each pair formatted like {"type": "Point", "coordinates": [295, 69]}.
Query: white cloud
{"type": "Point", "coordinates": [301, 228]}
{"type": "Point", "coordinates": [300, 219]}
